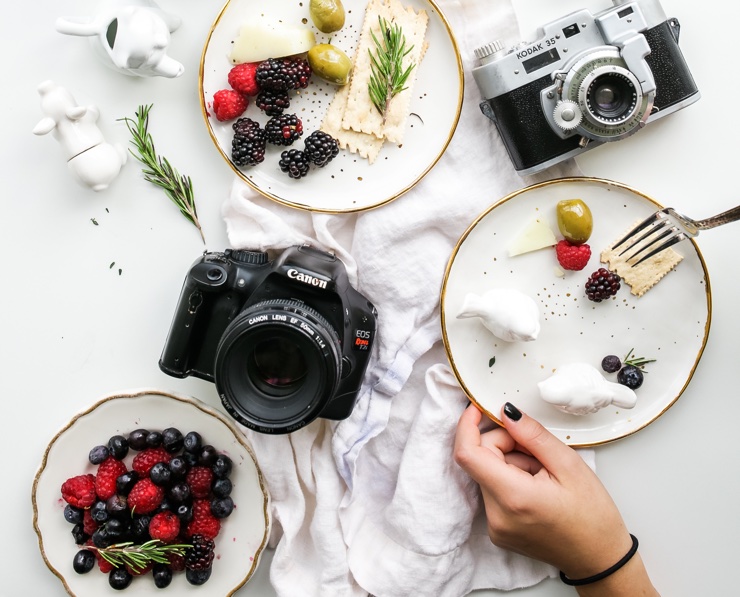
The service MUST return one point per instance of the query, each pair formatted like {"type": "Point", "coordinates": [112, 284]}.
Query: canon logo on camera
{"type": "Point", "coordinates": [307, 279]}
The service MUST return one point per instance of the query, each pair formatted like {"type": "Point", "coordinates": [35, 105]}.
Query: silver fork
{"type": "Point", "coordinates": [671, 227]}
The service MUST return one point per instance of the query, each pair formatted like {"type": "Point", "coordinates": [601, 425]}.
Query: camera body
{"type": "Point", "coordinates": [587, 79]}
{"type": "Point", "coordinates": [285, 341]}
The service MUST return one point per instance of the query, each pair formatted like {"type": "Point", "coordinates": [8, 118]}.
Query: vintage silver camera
{"type": "Point", "coordinates": [587, 79]}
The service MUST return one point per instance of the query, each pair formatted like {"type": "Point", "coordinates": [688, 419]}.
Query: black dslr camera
{"type": "Point", "coordinates": [285, 341]}
{"type": "Point", "coordinates": [586, 80]}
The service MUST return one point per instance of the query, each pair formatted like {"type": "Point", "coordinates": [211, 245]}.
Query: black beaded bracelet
{"type": "Point", "coordinates": [601, 575]}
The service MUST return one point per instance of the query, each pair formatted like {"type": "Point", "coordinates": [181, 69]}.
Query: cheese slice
{"type": "Point", "coordinates": [260, 41]}
{"type": "Point", "coordinates": [537, 235]}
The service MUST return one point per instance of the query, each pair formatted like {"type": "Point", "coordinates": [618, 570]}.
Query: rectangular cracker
{"type": "Point", "coordinates": [644, 276]}
{"type": "Point", "coordinates": [364, 144]}
{"type": "Point", "coordinates": [360, 115]}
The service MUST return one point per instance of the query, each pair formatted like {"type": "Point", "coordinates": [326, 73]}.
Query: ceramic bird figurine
{"type": "Point", "coordinates": [130, 36]}
{"type": "Point", "coordinates": [91, 160]}
{"type": "Point", "coordinates": [507, 313]}
{"type": "Point", "coordinates": [580, 389]}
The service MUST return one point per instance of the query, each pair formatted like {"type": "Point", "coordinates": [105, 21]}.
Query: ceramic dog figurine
{"type": "Point", "coordinates": [131, 36]}
{"type": "Point", "coordinates": [91, 160]}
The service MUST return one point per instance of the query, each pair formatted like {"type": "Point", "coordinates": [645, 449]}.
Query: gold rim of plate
{"type": "Point", "coordinates": [575, 179]}
{"type": "Point", "coordinates": [205, 409]}
{"type": "Point", "coordinates": [379, 203]}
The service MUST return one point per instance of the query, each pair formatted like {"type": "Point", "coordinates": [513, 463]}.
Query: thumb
{"type": "Point", "coordinates": [529, 433]}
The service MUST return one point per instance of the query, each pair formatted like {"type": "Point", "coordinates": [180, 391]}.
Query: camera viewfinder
{"type": "Point", "coordinates": [571, 30]}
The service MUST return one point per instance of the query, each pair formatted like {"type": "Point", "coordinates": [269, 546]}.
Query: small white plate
{"type": "Point", "coordinates": [669, 323]}
{"type": "Point", "coordinates": [348, 183]}
{"type": "Point", "coordinates": [243, 535]}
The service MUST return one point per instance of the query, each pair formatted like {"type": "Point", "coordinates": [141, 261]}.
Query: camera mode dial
{"type": "Point", "coordinates": [567, 115]}
{"type": "Point", "coordinates": [248, 257]}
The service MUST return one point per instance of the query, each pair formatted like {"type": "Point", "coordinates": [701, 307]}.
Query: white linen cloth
{"type": "Point", "coordinates": [375, 503]}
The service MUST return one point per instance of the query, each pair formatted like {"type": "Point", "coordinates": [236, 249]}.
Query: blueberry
{"type": "Point", "coordinates": [137, 439]}
{"type": "Point", "coordinates": [119, 578]}
{"type": "Point", "coordinates": [207, 456]}
{"type": "Point", "coordinates": [184, 512]}
{"type": "Point", "coordinates": [221, 487]}
{"type": "Point", "coordinates": [126, 481]}
{"type": "Point", "coordinates": [190, 458]}
{"type": "Point", "coordinates": [197, 577]}
{"type": "Point", "coordinates": [162, 575]}
{"type": "Point", "coordinates": [117, 506]}
{"type": "Point", "coordinates": [222, 507]}
{"type": "Point", "coordinates": [179, 493]}
{"type": "Point", "coordinates": [84, 561]}
{"type": "Point", "coordinates": [630, 376]}
{"type": "Point", "coordinates": [179, 467]}
{"type": "Point", "coordinates": [611, 363]}
{"type": "Point", "coordinates": [72, 514]}
{"type": "Point", "coordinates": [79, 534]}
{"type": "Point", "coordinates": [154, 439]}
{"type": "Point", "coordinates": [118, 447]}
{"type": "Point", "coordinates": [192, 442]}
{"type": "Point", "coordinates": [222, 466]}
{"type": "Point", "coordinates": [140, 528]}
{"type": "Point", "coordinates": [172, 440]}
{"type": "Point", "coordinates": [98, 511]}
{"type": "Point", "coordinates": [160, 474]}
{"type": "Point", "coordinates": [101, 537]}
{"type": "Point", "coordinates": [116, 528]}
{"type": "Point", "coordinates": [98, 454]}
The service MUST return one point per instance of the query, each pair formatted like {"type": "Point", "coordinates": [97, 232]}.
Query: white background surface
{"type": "Point", "coordinates": [73, 329]}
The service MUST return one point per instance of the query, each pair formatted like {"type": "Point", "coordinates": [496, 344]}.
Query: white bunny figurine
{"type": "Point", "coordinates": [507, 313]}
{"type": "Point", "coordinates": [580, 389]}
{"type": "Point", "coordinates": [92, 161]}
{"type": "Point", "coordinates": [131, 36]}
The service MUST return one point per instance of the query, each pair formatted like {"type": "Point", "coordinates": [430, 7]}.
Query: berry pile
{"type": "Point", "coordinates": [602, 284]}
{"type": "Point", "coordinates": [161, 514]}
{"type": "Point", "coordinates": [630, 370]}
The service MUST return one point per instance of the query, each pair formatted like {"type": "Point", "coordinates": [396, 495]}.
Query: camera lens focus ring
{"type": "Point", "coordinates": [277, 365]}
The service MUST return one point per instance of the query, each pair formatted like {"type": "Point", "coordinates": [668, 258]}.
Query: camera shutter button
{"type": "Point", "coordinates": [567, 115]}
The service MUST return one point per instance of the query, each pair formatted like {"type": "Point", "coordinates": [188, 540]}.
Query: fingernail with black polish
{"type": "Point", "coordinates": [512, 411]}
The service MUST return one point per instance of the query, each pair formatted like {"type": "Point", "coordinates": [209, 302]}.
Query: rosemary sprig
{"type": "Point", "coordinates": [388, 77]}
{"type": "Point", "coordinates": [158, 170]}
{"type": "Point", "coordinates": [138, 556]}
{"type": "Point", "coordinates": [638, 362]}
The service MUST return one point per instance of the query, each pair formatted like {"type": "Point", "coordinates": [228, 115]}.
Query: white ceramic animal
{"type": "Point", "coordinates": [91, 160]}
{"type": "Point", "coordinates": [580, 389]}
{"type": "Point", "coordinates": [131, 36]}
{"type": "Point", "coordinates": [507, 313]}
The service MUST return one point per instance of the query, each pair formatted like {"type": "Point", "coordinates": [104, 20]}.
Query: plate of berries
{"type": "Point", "coordinates": [537, 309]}
{"type": "Point", "coordinates": [285, 94]}
{"type": "Point", "coordinates": [150, 492]}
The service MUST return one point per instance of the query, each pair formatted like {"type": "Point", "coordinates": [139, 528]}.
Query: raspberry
{"type": "Point", "coordinates": [79, 491]}
{"type": "Point", "coordinates": [229, 104]}
{"type": "Point", "coordinates": [242, 78]}
{"type": "Point", "coordinates": [203, 523]}
{"type": "Point", "coordinates": [139, 571]}
{"type": "Point", "coordinates": [602, 284]}
{"type": "Point", "coordinates": [88, 524]}
{"type": "Point", "coordinates": [283, 74]}
{"type": "Point", "coordinates": [283, 129]}
{"type": "Point", "coordinates": [146, 459]}
{"type": "Point", "coordinates": [200, 555]}
{"type": "Point", "coordinates": [105, 481]}
{"type": "Point", "coordinates": [200, 478]}
{"type": "Point", "coordinates": [145, 496]}
{"type": "Point", "coordinates": [572, 257]}
{"type": "Point", "coordinates": [177, 562]}
{"type": "Point", "coordinates": [294, 162]}
{"type": "Point", "coordinates": [321, 148]}
{"type": "Point", "coordinates": [164, 526]}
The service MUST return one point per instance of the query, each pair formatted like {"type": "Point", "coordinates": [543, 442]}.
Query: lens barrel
{"type": "Point", "coordinates": [277, 365]}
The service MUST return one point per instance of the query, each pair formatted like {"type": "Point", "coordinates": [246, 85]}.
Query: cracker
{"type": "Point", "coordinates": [647, 274]}
{"type": "Point", "coordinates": [366, 145]}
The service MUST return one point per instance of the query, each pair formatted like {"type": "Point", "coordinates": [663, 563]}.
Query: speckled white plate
{"type": "Point", "coordinates": [348, 183]}
{"type": "Point", "coordinates": [243, 535]}
{"type": "Point", "coordinates": [669, 323]}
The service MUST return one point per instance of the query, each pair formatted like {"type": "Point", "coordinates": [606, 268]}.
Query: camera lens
{"type": "Point", "coordinates": [277, 365]}
{"type": "Point", "coordinates": [612, 97]}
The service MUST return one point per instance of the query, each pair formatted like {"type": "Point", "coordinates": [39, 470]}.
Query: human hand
{"type": "Point", "coordinates": [541, 499]}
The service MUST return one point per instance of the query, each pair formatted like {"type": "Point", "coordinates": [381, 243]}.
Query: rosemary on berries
{"type": "Point", "coordinates": [137, 557]}
{"type": "Point", "coordinates": [388, 77]}
{"type": "Point", "coordinates": [158, 170]}
{"type": "Point", "coordinates": [638, 362]}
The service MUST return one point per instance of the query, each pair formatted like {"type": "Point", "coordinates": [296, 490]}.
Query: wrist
{"type": "Point", "coordinates": [605, 572]}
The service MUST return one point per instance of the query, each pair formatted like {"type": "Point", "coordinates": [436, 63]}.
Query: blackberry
{"type": "Point", "coordinates": [630, 376]}
{"type": "Point", "coordinates": [200, 555]}
{"type": "Point", "coordinates": [602, 284]}
{"type": "Point", "coordinates": [321, 148]}
{"type": "Point", "coordinates": [294, 162]}
{"type": "Point", "coordinates": [611, 363]}
{"type": "Point", "coordinates": [272, 102]}
{"type": "Point", "coordinates": [283, 74]}
{"type": "Point", "coordinates": [283, 129]}
{"type": "Point", "coordinates": [248, 144]}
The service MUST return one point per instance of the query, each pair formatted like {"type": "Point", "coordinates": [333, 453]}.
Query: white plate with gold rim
{"type": "Point", "coordinates": [669, 323]}
{"type": "Point", "coordinates": [243, 535]}
{"type": "Point", "coordinates": [348, 183]}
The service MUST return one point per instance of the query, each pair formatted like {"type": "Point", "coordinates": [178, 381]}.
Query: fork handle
{"type": "Point", "coordinates": [731, 215]}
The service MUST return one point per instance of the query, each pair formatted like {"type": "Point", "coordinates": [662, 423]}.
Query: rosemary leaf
{"type": "Point", "coordinates": [388, 77]}
{"type": "Point", "coordinates": [139, 556]}
{"type": "Point", "coordinates": [158, 170]}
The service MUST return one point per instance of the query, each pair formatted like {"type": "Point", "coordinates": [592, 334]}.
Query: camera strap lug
{"type": "Point", "coordinates": [195, 300]}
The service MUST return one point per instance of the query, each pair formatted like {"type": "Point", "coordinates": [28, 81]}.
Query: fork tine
{"type": "Point", "coordinates": [659, 226]}
{"type": "Point", "coordinates": [641, 226]}
{"type": "Point", "coordinates": [667, 233]}
{"type": "Point", "coordinates": [669, 243]}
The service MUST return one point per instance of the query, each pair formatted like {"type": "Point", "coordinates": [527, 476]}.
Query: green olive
{"type": "Point", "coordinates": [330, 63]}
{"type": "Point", "coordinates": [327, 15]}
{"type": "Point", "coordinates": [574, 221]}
